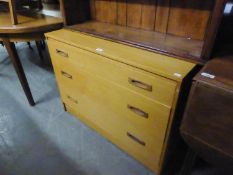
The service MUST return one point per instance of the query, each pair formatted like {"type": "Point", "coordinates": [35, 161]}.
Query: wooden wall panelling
{"type": "Point", "coordinates": [106, 11]}
{"type": "Point", "coordinates": [92, 9]}
{"type": "Point", "coordinates": [99, 10]}
{"type": "Point", "coordinates": [148, 14]}
{"type": "Point", "coordinates": [213, 28]}
{"type": "Point", "coordinates": [162, 15]}
{"type": "Point", "coordinates": [134, 13]}
{"type": "Point", "coordinates": [121, 12]}
{"type": "Point", "coordinates": [189, 18]}
{"type": "Point", "coordinates": [178, 17]}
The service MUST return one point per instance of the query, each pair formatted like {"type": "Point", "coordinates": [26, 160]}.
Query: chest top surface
{"type": "Point", "coordinates": [166, 66]}
{"type": "Point", "coordinates": [218, 72]}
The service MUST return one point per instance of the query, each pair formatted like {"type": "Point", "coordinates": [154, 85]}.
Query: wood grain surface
{"type": "Point", "coordinates": [149, 40]}
{"type": "Point", "coordinates": [28, 23]}
{"type": "Point", "coordinates": [178, 17]}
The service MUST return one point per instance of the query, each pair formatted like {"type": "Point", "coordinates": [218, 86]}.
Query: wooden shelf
{"type": "Point", "coordinates": [149, 40]}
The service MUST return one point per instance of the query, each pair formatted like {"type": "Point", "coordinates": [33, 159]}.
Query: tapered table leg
{"type": "Point", "coordinates": [10, 46]}
{"type": "Point", "coordinates": [40, 48]}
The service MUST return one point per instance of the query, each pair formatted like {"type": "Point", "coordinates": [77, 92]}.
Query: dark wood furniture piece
{"type": "Point", "coordinates": [30, 27]}
{"type": "Point", "coordinates": [183, 29]}
{"type": "Point", "coordinates": [207, 126]}
{"type": "Point", "coordinates": [223, 44]}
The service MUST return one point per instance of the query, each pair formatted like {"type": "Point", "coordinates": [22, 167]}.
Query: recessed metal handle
{"type": "Point", "coordinates": [140, 84]}
{"type": "Point", "coordinates": [72, 99]}
{"type": "Point", "coordinates": [62, 53]}
{"type": "Point", "coordinates": [66, 75]}
{"type": "Point", "coordinates": [136, 139]}
{"type": "Point", "coordinates": [138, 111]}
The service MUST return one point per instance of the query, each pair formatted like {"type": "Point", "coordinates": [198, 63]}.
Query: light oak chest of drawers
{"type": "Point", "coordinates": [127, 94]}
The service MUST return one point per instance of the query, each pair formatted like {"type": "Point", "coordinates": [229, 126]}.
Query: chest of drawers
{"type": "Point", "coordinates": [127, 94]}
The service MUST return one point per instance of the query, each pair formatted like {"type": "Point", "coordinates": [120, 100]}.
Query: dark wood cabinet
{"type": "Point", "coordinates": [207, 126]}
{"type": "Point", "coordinates": [184, 29]}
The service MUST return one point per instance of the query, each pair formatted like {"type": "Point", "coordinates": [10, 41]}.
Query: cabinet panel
{"type": "Point", "coordinates": [148, 14]}
{"type": "Point", "coordinates": [121, 140]}
{"type": "Point", "coordinates": [134, 123]}
{"type": "Point", "coordinates": [189, 18]}
{"type": "Point", "coordinates": [155, 87]}
{"type": "Point", "coordinates": [106, 11]}
{"type": "Point", "coordinates": [162, 65]}
{"type": "Point", "coordinates": [137, 111]}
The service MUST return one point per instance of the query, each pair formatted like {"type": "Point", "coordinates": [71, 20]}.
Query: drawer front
{"type": "Point", "coordinates": [139, 131]}
{"type": "Point", "coordinates": [118, 135]}
{"type": "Point", "coordinates": [166, 66]}
{"type": "Point", "coordinates": [143, 112]}
{"type": "Point", "coordinates": [150, 85]}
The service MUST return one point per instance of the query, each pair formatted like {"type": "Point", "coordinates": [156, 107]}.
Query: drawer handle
{"type": "Point", "coordinates": [66, 75]}
{"type": "Point", "coordinates": [138, 111]}
{"type": "Point", "coordinates": [61, 53]}
{"type": "Point", "coordinates": [140, 84]}
{"type": "Point", "coordinates": [72, 99]}
{"type": "Point", "coordinates": [136, 139]}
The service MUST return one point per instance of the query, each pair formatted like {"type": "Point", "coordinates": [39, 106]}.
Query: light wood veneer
{"type": "Point", "coordinates": [128, 95]}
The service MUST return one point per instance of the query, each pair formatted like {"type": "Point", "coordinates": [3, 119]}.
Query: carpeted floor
{"type": "Point", "coordinates": [44, 140]}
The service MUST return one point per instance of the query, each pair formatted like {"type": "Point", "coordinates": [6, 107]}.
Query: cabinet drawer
{"type": "Point", "coordinates": [106, 106]}
{"type": "Point", "coordinates": [140, 137]}
{"type": "Point", "coordinates": [118, 135]}
{"type": "Point", "coordinates": [141, 112]}
{"type": "Point", "coordinates": [150, 85]}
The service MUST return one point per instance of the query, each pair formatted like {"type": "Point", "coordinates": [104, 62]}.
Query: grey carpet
{"type": "Point", "coordinates": [45, 140]}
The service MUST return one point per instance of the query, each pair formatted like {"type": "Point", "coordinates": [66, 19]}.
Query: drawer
{"type": "Point", "coordinates": [144, 142]}
{"type": "Point", "coordinates": [99, 102]}
{"type": "Point", "coordinates": [166, 66]}
{"type": "Point", "coordinates": [118, 135]}
{"type": "Point", "coordinates": [140, 112]}
{"type": "Point", "coordinates": [147, 84]}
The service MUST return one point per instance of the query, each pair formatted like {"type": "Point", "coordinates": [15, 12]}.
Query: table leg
{"type": "Point", "coordinates": [40, 48]}
{"type": "Point", "coordinates": [29, 45]}
{"type": "Point", "coordinates": [10, 46]}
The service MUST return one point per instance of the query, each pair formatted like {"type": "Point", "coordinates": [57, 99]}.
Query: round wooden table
{"type": "Point", "coordinates": [31, 27]}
